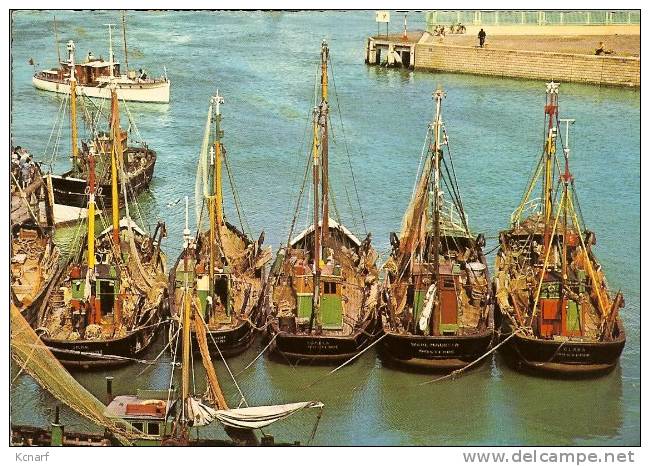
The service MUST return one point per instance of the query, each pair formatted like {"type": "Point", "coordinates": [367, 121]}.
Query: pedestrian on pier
{"type": "Point", "coordinates": [481, 38]}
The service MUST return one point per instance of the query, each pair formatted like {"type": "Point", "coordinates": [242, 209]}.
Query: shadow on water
{"type": "Point", "coordinates": [561, 412]}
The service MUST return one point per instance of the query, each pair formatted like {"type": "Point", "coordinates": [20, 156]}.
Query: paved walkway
{"type": "Point", "coordinates": [623, 45]}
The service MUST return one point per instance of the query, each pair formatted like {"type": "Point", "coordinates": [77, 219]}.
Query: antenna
{"type": "Point", "coordinates": [186, 231]}
{"type": "Point", "coordinates": [126, 55]}
{"type": "Point", "coordinates": [217, 100]}
{"type": "Point", "coordinates": [568, 122]}
{"type": "Point", "coordinates": [110, 46]}
{"type": "Point", "coordinates": [56, 40]}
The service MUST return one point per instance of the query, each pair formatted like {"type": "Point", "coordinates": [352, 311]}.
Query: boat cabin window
{"type": "Point", "coordinates": [153, 428]}
{"type": "Point", "coordinates": [138, 426]}
{"type": "Point", "coordinates": [447, 283]}
{"type": "Point", "coordinates": [106, 296]}
{"type": "Point", "coordinates": [329, 288]}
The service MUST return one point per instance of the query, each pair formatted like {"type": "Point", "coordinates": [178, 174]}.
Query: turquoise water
{"type": "Point", "coordinates": [265, 65]}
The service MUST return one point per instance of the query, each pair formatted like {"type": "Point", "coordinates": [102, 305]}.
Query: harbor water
{"type": "Point", "coordinates": [265, 64]}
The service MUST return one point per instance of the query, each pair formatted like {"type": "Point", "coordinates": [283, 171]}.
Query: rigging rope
{"type": "Point", "coordinates": [347, 151]}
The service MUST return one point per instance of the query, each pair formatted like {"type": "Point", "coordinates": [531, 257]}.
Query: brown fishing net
{"type": "Point", "coordinates": [36, 359]}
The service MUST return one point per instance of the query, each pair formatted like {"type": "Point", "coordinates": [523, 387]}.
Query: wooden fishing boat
{"type": "Point", "coordinates": [225, 265]}
{"type": "Point", "coordinates": [69, 188]}
{"type": "Point", "coordinates": [323, 287]}
{"type": "Point", "coordinates": [34, 254]}
{"type": "Point", "coordinates": [107, 306]}
{"type": "Point", "coordinates": [95, 77]}
{"type": "Point", "coordinates": [555, 306]}
{"type": "Point", "coordinates": [149, 417]}
{"type": "Point", "coordinates": [437, 305]}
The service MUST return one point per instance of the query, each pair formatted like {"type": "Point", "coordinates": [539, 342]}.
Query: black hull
{"type": "Point", "coordinates": [434, 353]}
{"type": "Point", "coordinates": [71, 191]}
{"type": "Point", "coordinates": [563, 359]}
{"type": "Point", "coordinates": [230, 342]}
{"type": "Point", "coordinates": [322, 349]}
{"type": "Point", "coordinates": [98, 354]}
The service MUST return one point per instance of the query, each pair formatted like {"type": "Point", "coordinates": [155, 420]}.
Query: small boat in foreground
{"type": "Point", "coordinates": [437, 306]}
{"type": "Point", "coordinates": [553, 301]}
{"type": "Point", "coordinates": [323, 285]}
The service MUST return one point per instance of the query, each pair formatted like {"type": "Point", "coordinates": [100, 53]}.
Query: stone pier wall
{"type": "Point", "coordinates": [560, 67]}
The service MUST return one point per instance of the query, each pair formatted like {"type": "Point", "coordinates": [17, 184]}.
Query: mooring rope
{"type": "Point", "coordinates": [258, 356]}
{"type": "Point", "coordinates": [455, 373]}
{"type": "Point", "coordinates": [348, 361]}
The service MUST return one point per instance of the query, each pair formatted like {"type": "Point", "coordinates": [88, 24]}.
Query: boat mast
{"type": "Point", "coordinates": [324, 141]}
{"type": "Point", "coordinates": [73, 103]}
{"type": "Point", "coordinates": [549, 151]}
{"type": "Point", "coordinates": [566, 178]}
{"type": "Point", "coordinates": [215, 202]}
{"type": "Point", "coordinates": [116, 150]}
{"type": "Point", "coordinates": [91, 211]}
{"type": "Point", "coordinates": [111, 58]}
{"type": "Point", "coordinates": [126, 55]}
{"type": "Point", "coordinates": [187, 311]}
{"type": "Point", "coordinates": [437, 95]}
{"type": "Point", "coordinates": [315, 174]}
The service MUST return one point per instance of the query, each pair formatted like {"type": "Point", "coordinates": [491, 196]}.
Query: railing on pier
{"type": "Point", "coordinates": [527, 17]}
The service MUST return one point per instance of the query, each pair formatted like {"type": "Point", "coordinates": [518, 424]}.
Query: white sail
{"type": "Point", "coordinates": [201, 187]}
{"type": "Point", "coordinates": [255, 417]}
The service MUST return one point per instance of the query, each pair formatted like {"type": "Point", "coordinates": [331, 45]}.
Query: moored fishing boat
{"type": "Point", "coordinates": [34, 254]}
{"type": "Point", "coordinates": [437, 307]}
{"type": "Point", "coordinates": [323, 289]}
{"type": "Point", "coordinates": [554, 303]}
{"type": "Point", "coordinates": [225, 265]}
{"type": "Point", "coordinates": [95, 77]}
{"type": "Point", "coordinates": [69, 188]}
{"type": "Point", "coordinates": [107, 306]}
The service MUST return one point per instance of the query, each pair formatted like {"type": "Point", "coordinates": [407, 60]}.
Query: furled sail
{"type": "Point", "coordinates": [261, 416]}
{"type": "Point", "coordinates": [414, 222]}
{"type": "Point", "coordinates": [201, 188]}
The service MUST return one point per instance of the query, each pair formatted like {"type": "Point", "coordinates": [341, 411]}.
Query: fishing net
{"type": "Point", "coordinates": [414, 221]}
{"type": "Point", "coordinates": [37, 360]}
{"type": "Point", "coordinates": [215, 389]}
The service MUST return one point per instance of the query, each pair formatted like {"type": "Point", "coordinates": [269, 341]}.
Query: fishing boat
{"type": "Point", "coordinates": [34, 254]}
{"type": "Point", "coordinates": [95, 77]}
{"type": "Point", "coordinates": [69, 188]}
{"type": "Point", "coordinates": [225, 265]}
{"type": "Point", "coordinates": [108, 305]}
{"type": "Point", "coordinates": [556, 310]}
{"type": "Point", "coordinates": [323, 287]}
{"type": "Point", "coordinates": [437, 304]}
{"type": "Point", "coordinates": [148, 417]}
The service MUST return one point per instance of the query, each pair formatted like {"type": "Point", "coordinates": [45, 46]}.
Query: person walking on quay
{"type": "Point", "coordinates": [481, 38]}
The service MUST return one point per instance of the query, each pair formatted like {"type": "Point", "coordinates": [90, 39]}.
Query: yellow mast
{"type": "Point", "coordinates": [325, 141]}
{"type": "Point", "coordinates": [187, 313]}
{"type": "Point", "coordinates": [91, 211]}
{"type": "Point", "coordinates": [73, 103]}
{"type": "Point", "coordinates": [215, 202]}
{"type": "Point", "coordinates": [116, 153]}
